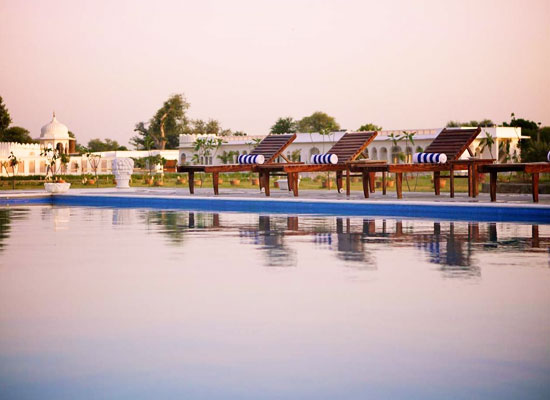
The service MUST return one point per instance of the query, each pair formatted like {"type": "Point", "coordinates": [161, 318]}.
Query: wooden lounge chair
{"type": "Point", "coordinates": [453, 143]}
{"type": "Point", "coordinates": [270, 147]}
{"type": "Point", "coordinates": [348, 148]}
{"type": "Point", "coordinates": [534, 169]}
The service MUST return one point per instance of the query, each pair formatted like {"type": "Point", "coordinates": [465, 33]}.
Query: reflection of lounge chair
{"type": "Point", "coordinates": [451, 142]}
{"type": "Point", "coordinates": [348, 148]}
{"type": "Point", "coordinates": [270, 148]}
{"type": "Point", "coordinates": [534, 168]}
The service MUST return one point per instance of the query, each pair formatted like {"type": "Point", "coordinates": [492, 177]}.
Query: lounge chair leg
{"type": "Point", "coordinates": [371, 182]}
{"type": "Point", "coordinates": [452, 180]}
{"type": "Point", "coordinates": [470, 186]}
{"type": "Point", "coordinates": [191, 176]}
{"type": "Point", "coordinates": [384, 183]}
{"type": "Point", "coordinates": [339, 181]}
{"type": "Point", "coordinates": [437, 182]}
{"type": "Point", "coordinates": [289, 181]}
{"type": "Point", "coordinates": [475, 181]}
{"type": "Point", "coordinates": [295, 185]}
{"type": "Point", "coordinates": [266, 183]}
{"type": "Point", "coordinates": [365, 180]}
{"type": "Point", "coordinates": [348, 183]}
{"type": "Point", "coordinates": [535, 181]}
{"type": "Point", "coordinates": [493, 188]}
{"type": "Point", "coordinates": [215, 182]}
{"type": "Point", "coordinates": [399, 184]}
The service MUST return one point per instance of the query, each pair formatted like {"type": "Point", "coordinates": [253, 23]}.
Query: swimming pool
{"type": "Point", "coordinates": [139, 303]}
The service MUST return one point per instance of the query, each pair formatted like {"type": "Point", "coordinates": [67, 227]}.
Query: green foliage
{"type": "Point", "coordinates": [284, 125]}
{"type": "Point", "coordinates": [535, 151]}
{"type": "Point", "coordinates": [165, 126]}
{"type": "Point", "coordinates": [5, 117]}
{"type": "Point", "coordinates": [296, 155]}
{"type": "Point", "coordinates": [318, 122]}
{"type": "Point", "coordinates": [54, 161]}
{"type": "Point", "coordinates": [487, 142]}
{"type": "Point", "coordinates": [369, 127]}
{"type": "Point", "coordinates": [203, 147]}
{"type": "Point", "coordinates": [227, 156]}
{"type": "Point", "coordinates": [16, 134]}
{"type": "Point", "coordinates": [97, 145]}
{"type": "Point", "coordinates": [485, 123]}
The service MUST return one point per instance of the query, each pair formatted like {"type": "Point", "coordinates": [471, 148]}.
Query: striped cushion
{"type": "Point", "coordinates": [433, 158]}
{"type": "Point", "coordinates": [325, 158]}
{"type": "Point", "coordinates": [548, 156]}
{"type": "Point", "coordinates": [251, 159]}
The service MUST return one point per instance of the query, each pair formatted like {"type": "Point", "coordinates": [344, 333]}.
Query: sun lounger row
{"type": "Point", "coordinates": [442, 155]}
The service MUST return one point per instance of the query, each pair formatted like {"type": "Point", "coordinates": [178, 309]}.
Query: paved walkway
{"type": "Point", "coordinates": [427, 197]}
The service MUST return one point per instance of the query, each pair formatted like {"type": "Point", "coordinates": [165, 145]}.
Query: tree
{"type": "Point", "coordinates": [227, 156]}
{"type": "Point", "coordinates": [317, 122]}
{"type": "Point", "coordinates": [5, 117]}
{"type": "Point", "coordinates": [484, 123]}
{"type": "Point", "coordinates": [487, 142]}
{"type": "Point", "coordinates": [16, 134]}
{"type": "Point", "coordinates": [369, 127]}
{"type": "Point", "coordinates": [284, 125]}
{"type": "Point", "coordinates": [97, 145]}
{"type": "Point", "coordinates": [165, 126]}
{"type": "Point", "coordinates": [213, 127]}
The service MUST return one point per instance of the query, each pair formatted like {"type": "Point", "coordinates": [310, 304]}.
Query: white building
{"type": "Point", "coordinates": [382, 148]}
{"type": "Point", "coordinates": [56, 135]}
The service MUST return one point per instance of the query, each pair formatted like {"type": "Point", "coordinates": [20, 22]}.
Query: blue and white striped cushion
{"type": "Point", "coordinates": [430, 158]}
{"type": "Point", "coordinates": [548, 156]}
{"type": "Point", "coordinates": [325, 158]}
{"type": "Point", "coordinates": [250, 159]}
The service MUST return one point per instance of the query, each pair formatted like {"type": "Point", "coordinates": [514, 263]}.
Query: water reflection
{"type": "Point", "coordinates": [7, 217]}
{"type": "Point", "coordinates": [450, 245]}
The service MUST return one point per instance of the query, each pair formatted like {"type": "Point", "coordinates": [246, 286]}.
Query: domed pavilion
{"type": "Point", "coordinates": [56, 135]}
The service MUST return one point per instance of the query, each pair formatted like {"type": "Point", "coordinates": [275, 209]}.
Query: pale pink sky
{"type": "Point", "coordinates": [105, 65]}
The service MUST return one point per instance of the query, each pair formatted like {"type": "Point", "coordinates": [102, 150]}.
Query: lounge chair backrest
{"type": "Point", "coordinates": [453, 142]}
{"type": "Point", "coordinates": [272, 146]}
{"type": "Point", "coordinates": [351, 145]}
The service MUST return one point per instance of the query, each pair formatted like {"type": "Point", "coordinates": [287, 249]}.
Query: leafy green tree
{"type": "Point", "coordinates": [227, 156]}
{"type": "Point", "coordinates": [165, 126]}
{"type": "Point", "coordinates": [5, 117]}
{"type": "Point", "coordinates": [369, 127]}
{"type": "Point", "coordinates": [317, 122]}
{"type": "Point", "coordinates": [487, 143]}
{"type": "Point", "coordinates": [97, 145]}
{"type": "Point", "coordinates": [484, 123]}
{"type": "Point", "coordinates": [16, 134]}
{"type": "Point", "coordinates": [284, 125]}
{"type": "Point", "coordinates": [213, 127]}
{"type": "Point", "coordinates": [204, 146]}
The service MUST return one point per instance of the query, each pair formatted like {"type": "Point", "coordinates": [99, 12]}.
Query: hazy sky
{"type": "Point", "coordinates": [105, 65]}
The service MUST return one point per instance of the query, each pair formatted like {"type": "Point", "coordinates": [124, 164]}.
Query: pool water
{"type": "Point", "coordinates": [102, 303]}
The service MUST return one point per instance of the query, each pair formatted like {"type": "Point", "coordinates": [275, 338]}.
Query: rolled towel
{"type": "Point", "coordinates": [250, 159]}
{"type": "Point", "coordinates": [325, 158]}
{"type": "Point", "coordinates": [433, 158]}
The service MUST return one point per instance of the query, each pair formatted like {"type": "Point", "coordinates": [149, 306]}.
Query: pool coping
{"type": "Point", "coordinates": [457, 210]}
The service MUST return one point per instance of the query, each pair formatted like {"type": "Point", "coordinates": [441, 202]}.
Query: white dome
{"type": "Point", "coordinates": [54, 130]}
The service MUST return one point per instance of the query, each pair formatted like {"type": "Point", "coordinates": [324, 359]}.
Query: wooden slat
{"type": "Point", "coordinates": [453, 142]}
{"type": "Point", "coordinates": [351, 145]}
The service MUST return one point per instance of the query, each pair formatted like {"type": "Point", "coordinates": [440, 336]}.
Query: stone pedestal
{"type": "Point", "coordinates": [122, 170]}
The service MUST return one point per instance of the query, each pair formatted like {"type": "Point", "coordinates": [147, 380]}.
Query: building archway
{"type": "Point", "coordinates": [384, 154]}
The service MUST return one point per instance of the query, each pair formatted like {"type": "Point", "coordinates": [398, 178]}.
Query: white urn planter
{"type": "Point", "coordinates": [57, 187]}
{"type": "Point", "coordinates": [122, 170]}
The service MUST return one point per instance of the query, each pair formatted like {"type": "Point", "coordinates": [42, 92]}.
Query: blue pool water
{"type": "Point", "coordinates": [122, 303]}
